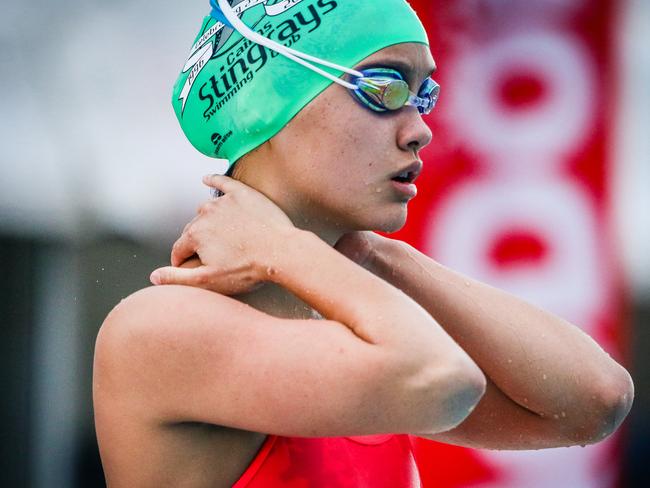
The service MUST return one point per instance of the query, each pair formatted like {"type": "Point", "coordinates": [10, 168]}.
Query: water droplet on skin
{"type": "Point", "coordinates": [556, 416]}
{"type": "Point", "coordinates": [543, 376]}
{"type": "Point", "coordinates": [563, 414]}
{"type": "Point", "coordinates": [468, 284]}
{"type": "Point", "coordinates": [509, 360]}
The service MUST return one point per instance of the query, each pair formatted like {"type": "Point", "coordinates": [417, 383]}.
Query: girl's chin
{"type": "Point", "coordinates": [388, 218]}
{"type": "Point", "coordinates": [390, 225]}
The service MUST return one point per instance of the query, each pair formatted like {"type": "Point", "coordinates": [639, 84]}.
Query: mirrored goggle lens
{"type": "Point", "coordinates": [382, 94]}
{"type": "Point", "coordinates": [385, 93]}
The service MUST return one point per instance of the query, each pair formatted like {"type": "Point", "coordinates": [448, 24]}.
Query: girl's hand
{"type": "Point", "coordinates": [230, 236]}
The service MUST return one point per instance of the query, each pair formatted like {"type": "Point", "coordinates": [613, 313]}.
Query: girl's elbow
{"type": "Point", "coordinates": [607, 406]}
{"type": "Point", "coordinates": [456, 397]}
{"type": "Point", "coordinates": [615, 400]}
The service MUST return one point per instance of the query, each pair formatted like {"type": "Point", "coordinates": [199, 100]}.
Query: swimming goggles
{"type": "Point", "coordinates": [383, 89]}
{"type": "Point", "coordinates": [379, 89]}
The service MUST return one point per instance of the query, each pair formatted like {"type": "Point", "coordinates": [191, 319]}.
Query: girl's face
{"type": "Point", "coordinates": [332, 164]}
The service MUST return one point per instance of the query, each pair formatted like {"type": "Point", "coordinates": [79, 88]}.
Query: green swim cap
{"type": "Point", "coordinates": [235, 94]}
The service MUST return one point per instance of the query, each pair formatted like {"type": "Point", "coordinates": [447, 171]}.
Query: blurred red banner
{"type": "Point", "coordinates": [516, 193]}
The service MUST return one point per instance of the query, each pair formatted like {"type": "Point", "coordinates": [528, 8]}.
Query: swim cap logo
{"type": "Point", "coordinates": [218, 140]}
{"type": "Point", "coordinates": [216, 37]}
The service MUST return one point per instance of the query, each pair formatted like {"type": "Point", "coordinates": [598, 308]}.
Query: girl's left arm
{"type": "Point", "coordinates": [549, 383]}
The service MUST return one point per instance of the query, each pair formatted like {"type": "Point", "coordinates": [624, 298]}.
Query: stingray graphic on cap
{"type": "Point", "coordinates": [271, 8]}
{"type": "Point", "coordinates": [224, 34]}
{"type": "Point", "coordinates": [209, 45]}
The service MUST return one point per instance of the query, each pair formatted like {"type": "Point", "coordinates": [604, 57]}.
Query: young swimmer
{"type": "Point", "coordinates": [223, 376]}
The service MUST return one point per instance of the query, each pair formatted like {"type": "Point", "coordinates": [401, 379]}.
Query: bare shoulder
{"type": "Point", "coordinates": [142, 307]}
{"type": "Point", "coordinates": [174, 354]}
{"type": "Point", "coordinates": [145, 320]}
{"type": "Point", "coordinates": [131, 392]}
{"type": "Point", "coordinates": [172, 330]}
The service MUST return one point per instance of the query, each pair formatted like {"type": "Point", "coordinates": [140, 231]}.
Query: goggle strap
{"type": "Point", "coordinates": [292, 54]}
{"type": "Point", "coordinates": [302, 58]}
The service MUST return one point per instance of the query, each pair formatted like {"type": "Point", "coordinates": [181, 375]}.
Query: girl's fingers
{"type": "Point", "coordinates": [182, 249]}
{"type": "Point", "coordinates": [169, 275]}
{"type": "Point", "coordinates": [221, 182]}
{"type": "Point", "coordinates": [205, 277]}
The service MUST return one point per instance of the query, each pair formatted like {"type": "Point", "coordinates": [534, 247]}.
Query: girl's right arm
{"type": "Point", "coordinates": [378, 364]}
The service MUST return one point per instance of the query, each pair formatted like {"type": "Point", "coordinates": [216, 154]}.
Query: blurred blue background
{"type": "Point", "coordinates": [97, 181]}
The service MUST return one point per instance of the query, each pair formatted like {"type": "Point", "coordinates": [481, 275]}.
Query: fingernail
{"type": "Point", "coordinates": [155, 277]}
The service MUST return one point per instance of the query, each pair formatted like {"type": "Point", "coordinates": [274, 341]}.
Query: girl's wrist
{"type": "Point", "coordinates": [277, 256]}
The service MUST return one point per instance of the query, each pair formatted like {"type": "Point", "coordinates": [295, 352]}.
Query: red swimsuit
{"type": "Point", "coordinates": [375, 461]}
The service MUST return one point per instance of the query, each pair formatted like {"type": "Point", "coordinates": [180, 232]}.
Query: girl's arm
{"type": "Point", "coordinates": [378, 364]}
{"type": "Point", "coordinates": [549, 383]}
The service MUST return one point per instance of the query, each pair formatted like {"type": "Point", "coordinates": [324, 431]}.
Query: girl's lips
{"type": "Point", "coordinates": [413, 170]}
{"type": "Point", "coordinates": [408, 189]}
